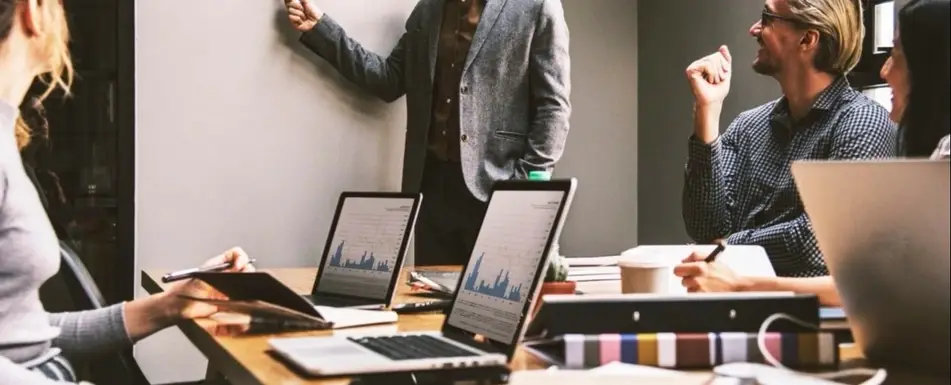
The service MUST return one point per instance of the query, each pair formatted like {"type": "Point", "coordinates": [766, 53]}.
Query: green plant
{"type": "Point", "coordinates": [557, 269]}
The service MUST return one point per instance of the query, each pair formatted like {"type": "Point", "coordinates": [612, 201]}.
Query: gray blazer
{"type": "Point", "coordinates": [514, 106]}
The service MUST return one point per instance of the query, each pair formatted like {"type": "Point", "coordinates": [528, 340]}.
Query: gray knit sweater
{"type": "Point", "coordinates": [29, 255]}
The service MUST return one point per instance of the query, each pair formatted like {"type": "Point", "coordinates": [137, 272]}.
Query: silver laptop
{"type": "Point", "coordinates": [487, 317]}
{"type": "Point", "coordinates": [365, 249]}
{"type": "Point", "coordinates": [883, 227]}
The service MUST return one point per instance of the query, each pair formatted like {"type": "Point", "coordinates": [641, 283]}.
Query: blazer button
{"type": "Point", "coordinates": [464, 137]}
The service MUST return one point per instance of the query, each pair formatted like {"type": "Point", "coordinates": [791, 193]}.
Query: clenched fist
{"type": "Point", "coordinates": [710, 77]}
{"type": "Point", "coordinates": [302, 14]}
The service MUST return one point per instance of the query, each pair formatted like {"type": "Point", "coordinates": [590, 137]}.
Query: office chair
{"type": "Point", "coordinates": [85, 294]}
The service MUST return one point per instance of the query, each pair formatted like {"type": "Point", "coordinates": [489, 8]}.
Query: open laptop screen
{"type": "Point", "coordinates": [508, 254]}
{"type": "Point", "coordinates": [365, 245]}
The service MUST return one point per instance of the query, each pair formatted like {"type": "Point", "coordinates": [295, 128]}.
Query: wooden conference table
{"type": "Point", "coordinates": [243, 359]}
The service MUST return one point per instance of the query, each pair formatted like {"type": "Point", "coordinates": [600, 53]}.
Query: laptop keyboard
{"type": "Point", "coordinates": [411, 347]}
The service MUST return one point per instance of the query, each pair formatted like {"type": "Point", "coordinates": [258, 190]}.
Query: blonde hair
{"type": "Point", "coordinates": [22, 132]}
{"type": "Point", "coordinates": [840, 22]}
{"type": "Point", "coordinates": [59, 73]}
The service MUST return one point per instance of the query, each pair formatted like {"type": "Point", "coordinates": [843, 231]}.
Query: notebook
{"type": "Point", "coordinates": [260, 294]}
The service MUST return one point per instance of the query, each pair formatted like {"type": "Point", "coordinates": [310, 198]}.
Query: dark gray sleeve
{"type": "Point", "coordinates": [92, 332]}
{"type": "Point", "coordinates": [381, 76]}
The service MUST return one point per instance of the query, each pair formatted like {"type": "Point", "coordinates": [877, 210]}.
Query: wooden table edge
{"type": "Point", "coordinates": [222, 360]}
{"type": "Point", "coordinates": [225, 363]}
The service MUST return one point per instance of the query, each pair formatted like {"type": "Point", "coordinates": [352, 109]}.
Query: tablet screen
{"type": "Point", "coordinates": [365, 246]}
{"type": "Point", "coordinates": [507, 255]}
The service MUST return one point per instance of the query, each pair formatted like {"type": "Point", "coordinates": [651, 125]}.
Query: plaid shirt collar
{"type": "Point", "coordinates": [826, 101]}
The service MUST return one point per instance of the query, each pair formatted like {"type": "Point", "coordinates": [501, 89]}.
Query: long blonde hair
{"type": "Point", "coordinates": [59, 72]}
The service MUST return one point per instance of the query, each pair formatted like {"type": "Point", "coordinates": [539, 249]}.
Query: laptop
{"type": "Point", "coordinates": [365, 249]}
{"type": "Point", "coordinates": [486, 319]}
{"type": "Point", "coordinates": [883, 228]}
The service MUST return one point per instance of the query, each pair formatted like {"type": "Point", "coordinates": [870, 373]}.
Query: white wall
{"type": "Point", "coordinates": [244, 138]}
{"type": "Point", "coordinates": [602, 144]}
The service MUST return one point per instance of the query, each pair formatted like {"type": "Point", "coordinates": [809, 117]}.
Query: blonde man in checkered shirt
{"type": "Point", "coordinates": [737, 185]}
{"type": "Point", "coordinates": [916, 50]}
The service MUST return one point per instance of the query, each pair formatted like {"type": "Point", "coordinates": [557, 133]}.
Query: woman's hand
{"type": "Point", "coordinates": [700, 276]}
{"type": "Point", "coordinates": [181, 308]}
{"type": "Point", "coordinates": [148, 315]}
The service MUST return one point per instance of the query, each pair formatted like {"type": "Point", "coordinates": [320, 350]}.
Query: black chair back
{"type": "Point", "coordinates": [85, 294]}
{"type": "Point", "coordinates": [82, 288]}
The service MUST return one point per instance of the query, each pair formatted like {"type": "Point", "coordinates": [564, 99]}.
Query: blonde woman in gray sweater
{"type": "Point", "coordinates": [35, 346]}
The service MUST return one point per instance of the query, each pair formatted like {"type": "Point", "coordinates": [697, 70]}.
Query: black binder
{"type": "Point", "coordinates": [693, 313]}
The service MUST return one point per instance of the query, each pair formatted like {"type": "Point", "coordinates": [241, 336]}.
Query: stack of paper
{"type": "Point", "coordinates": [610, 260]}
{"type": "Point", "coordinates": [595, 275]}
{"type": "Point", "coordinates": [587, 274]}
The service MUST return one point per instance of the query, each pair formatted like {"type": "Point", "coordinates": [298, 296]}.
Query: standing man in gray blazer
{"type": "Point", "coordinates": [487, 84]}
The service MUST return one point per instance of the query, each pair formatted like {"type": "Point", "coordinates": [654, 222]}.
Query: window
{"type": "Point", "coordinates": [879, 19]}
{"type": "Point", "coordinates": [883, 16]}
{"type": "Point", "coordinates": [880, 94]}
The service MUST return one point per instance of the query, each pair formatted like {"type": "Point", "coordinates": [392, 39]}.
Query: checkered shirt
{"type": "Point", "coordinates": [740, 188]}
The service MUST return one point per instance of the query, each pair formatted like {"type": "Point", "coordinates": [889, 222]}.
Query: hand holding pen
{"type": "Point", "coordinates": [213, 265]}
{"type": "Point", "coordinates": [233, 260]}
{"type": "Point", "coordinates": [700, 272]}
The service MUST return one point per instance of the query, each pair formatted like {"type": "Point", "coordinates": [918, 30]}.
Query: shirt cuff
{"type": "Point", "coordinates": [702, 153]}
{"type": "Point", "coordinates": [323, 36]}
{"type": "Point", "coordinates": [116, 321]}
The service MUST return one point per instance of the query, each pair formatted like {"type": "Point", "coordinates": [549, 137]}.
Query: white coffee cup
{"type": "Point", "coordinates": [645, 275]}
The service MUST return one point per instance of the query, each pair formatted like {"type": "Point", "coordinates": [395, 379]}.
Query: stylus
{"type": "Point", "coordinates": [420, 307]}
{"type": "Point", "coordinates": [187, 273]}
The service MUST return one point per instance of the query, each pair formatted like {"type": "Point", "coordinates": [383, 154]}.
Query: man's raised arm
{"type": "Point", "coordinates": [381, 76]}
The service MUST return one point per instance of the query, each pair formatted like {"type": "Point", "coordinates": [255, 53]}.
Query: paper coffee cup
{"type": "Point", "coordinates": [644, 275]}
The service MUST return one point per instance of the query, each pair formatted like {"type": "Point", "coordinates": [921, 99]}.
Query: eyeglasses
{"type": "Point", "coordinates": [768, 17]}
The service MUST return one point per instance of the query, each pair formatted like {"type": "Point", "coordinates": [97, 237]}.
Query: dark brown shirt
{"type": "Point", "coordinates": [459, 22]}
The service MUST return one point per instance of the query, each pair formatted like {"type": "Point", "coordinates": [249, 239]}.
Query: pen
{"type": "Point", "coordinates": [187, 273]}
{"type": "Point", "coordinates": [419, 307]}
{"type": "Point", "coordinates": [713, 255]}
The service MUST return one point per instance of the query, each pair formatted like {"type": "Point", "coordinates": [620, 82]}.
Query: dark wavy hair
{"type": "Point", "coordinates": [924, 28]}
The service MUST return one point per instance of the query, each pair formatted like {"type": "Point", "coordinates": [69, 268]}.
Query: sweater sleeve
{"type": "Point", "coordinates": [91, 332]}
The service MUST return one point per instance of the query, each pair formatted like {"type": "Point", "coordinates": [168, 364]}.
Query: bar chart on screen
{"type": "Point", "coordinates": [507, 255]}
{"type": "Point", "coordinates": [365, 246]}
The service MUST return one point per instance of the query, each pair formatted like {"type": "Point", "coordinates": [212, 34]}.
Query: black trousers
{"type": "Point", "coordinates": [449, 218]}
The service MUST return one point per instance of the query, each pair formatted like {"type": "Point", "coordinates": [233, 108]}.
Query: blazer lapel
{"type": "Point", "coordinates": [489, 16]}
